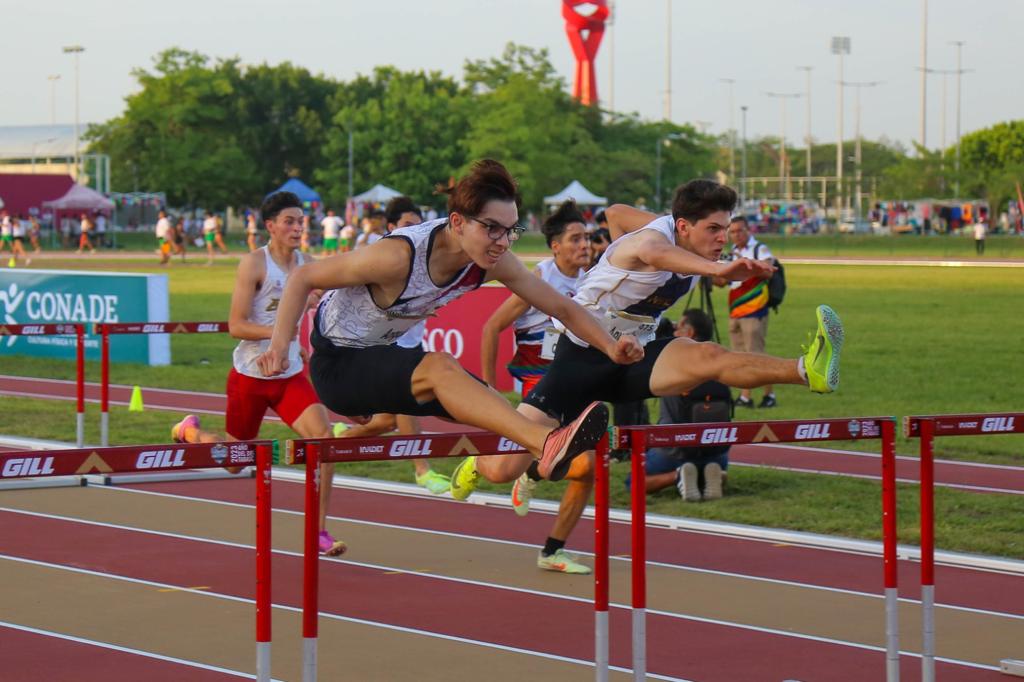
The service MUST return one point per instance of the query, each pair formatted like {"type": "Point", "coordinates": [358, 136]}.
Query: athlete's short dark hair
{"type": "Point", "coordinates": [555, 224]}
{"type": "Point", "coordinates": [399, 205]}
{"type": "Point", "coordinates": [277, 202]}
{"type": "Point", "coordinates": [487, 180]}
{"type": "Point", "coordinates": [701, 323]}
{"type": "Point", "coordinates": [740, 219]}
{"type": "Point", "coordinates": [698, 199]}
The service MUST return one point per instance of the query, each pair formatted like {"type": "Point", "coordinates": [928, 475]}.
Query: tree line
{"type": "Point", "coordinates": [215, 132]}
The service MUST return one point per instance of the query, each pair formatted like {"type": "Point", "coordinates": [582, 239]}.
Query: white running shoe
{"type": "Point", "coordinates": [522, 493]}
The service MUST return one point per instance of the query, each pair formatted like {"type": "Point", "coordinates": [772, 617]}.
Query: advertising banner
{"type": "Point", "coordinates": [58, 296]}
{"type": "Point", "coordinates": [456, 330]}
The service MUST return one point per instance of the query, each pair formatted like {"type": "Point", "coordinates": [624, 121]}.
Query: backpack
{"type": "Point", "coordinates": [777, 283]}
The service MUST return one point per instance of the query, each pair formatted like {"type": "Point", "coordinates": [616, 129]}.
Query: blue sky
{"type": "Point", "coordinates": [758, 43]}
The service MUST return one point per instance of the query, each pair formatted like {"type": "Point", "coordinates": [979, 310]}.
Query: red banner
{"type": "Point", "coordinates": [162, 328]}
{"type": "Point", "coordinates": [136, 458]}
{"type": "Point", "coordinates": [456, 330]}
{"type": "Point", "coordinates": [37, 329]}
{"type": "Point", "coordinates": [735, 433]}
{"type": "Point", "coordinates": [967, 424]}
{"type": "Point", "coordinates": [390, 448]}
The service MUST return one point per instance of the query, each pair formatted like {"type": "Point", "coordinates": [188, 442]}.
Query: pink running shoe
{"type": "Point", "coordinates": [331, 547]}
{"type": "Point", "coordinates": [563, 444]}
{"type": "Point", "coordinates": [178, 430]}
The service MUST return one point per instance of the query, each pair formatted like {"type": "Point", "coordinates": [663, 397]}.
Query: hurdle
{"type": "Point", "coordinates": [926, 428]}
{"type": "Point", "coordinates": [639, 438]}
{"type": "Point", "coordinates": [105, 329]}
{"type": "Point", "coordinates": [175, 457]}
{"type": "Point", "coordinates": [61, 329]}
{"type": "Point", "coordinates": [316, 451]}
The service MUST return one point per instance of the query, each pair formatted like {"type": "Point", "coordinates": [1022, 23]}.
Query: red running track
{"type": "Point", "coordinates": [530, 621]}
{"type": "Point", "coordinates": [965, 475]}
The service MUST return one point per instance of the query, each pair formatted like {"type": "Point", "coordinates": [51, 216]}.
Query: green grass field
{"type": "Point", "coordinates": [919, 340]}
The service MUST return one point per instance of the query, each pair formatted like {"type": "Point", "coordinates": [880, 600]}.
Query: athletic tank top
{"type": "Point", "coordinates": [607, 291]}
{"type": "Point", "coordinates": [350, 317]}
{"type": "Point", "coordinates": [530, 326]}
{"type": "Point", "coordinates": [264, 311]}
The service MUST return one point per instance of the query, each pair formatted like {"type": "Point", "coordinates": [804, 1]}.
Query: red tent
{"type": "Point", "coordinates": [24, 192]}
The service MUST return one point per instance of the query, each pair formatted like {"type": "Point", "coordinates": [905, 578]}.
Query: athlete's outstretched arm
{"type": "Point", "coordinates": [503, 316]}
{"type": "Point", "coordinates": [381, 264]}
{"type": "Point", "coordinates": [543, 296]}
{"type": "Point", "coordinates": [623, 219]}
{"type": "Point", "coordinates": [654, 250]}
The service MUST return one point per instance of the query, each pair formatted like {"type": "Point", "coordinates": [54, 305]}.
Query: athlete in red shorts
{"type": "Point", "coordinates": [258, 287]}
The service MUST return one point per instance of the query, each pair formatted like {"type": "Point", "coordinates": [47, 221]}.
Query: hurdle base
{"type": "Point", "coordinates": [1012, 666]}
{"type": "Point", "coordinates": [51, 482]}
{"type": "Point", "coordinates": [169, 476]}
{"type": "Point", "coordinates": [309, 663]}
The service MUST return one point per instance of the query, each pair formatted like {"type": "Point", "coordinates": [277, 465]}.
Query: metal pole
{"type": "Point", "coordinates": [807, 172]}
{"type": "Point", "coordinates": [611, 55]}
{"type": "Point", "coordinates": [889, 547]}
{"type": "Point", "coordinates": [657, 175]}
{"type": "Point", "coordinates": [264, 457]}
{"type": "Point", "coordinates": [53, 97]}
{"type": "Point", "coordinates": [924, 74]}
{"type": "Point", "coordinates": [927, 551]}
{"type": "Point", "coordinates": [311, 574]}
{"type": "Point", "coordinates": [732, 127]}
{"type": "Point", "coordinates": [959, 72]}
{"type": "Point", "coordinates": [601, 561]}
{"type": "Point", "coordinates": [104, 385]}
{"type": "Point", "coordinates": [743, 158]}
{"type": "Point", "coordinates": [857, 159]}
{"type": "Point", "coordinates": [76, 50]}
{"type": "Point", "coordinates": [668, 60]}
{"type": "Point", "coordinates": [350, 164]}
{"type": "Point", "coordinates": [839, 149]}
{"type": "Point", "coordinates": [80, 385]}
{"type": "Point", "coordinates": [638, 561]}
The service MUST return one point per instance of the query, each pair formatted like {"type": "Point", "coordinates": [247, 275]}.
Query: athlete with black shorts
{"type": "Point", "coordinates": [379, 292]}
{"type": "Point", "coordinates": [644, 272]}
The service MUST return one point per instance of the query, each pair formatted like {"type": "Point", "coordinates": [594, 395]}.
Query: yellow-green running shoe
{"type": "Point", "coordinates": [821, 359]}
{"type": "Point", "coordinates": [436, 483]}
{"type": "Point", "coordinates": [464, 478]}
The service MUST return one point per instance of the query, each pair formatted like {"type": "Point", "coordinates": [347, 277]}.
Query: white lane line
{"type": "Point", "coordinates": [332, 616]}
{"type": "Point", "coordinates": [874, 477]}
{"type": "Point", "coordinates": [623, 559]}
{"type": "Point", "coordinates": [508, 588]}
{"type": "Point", "coordinates": [124, 649]}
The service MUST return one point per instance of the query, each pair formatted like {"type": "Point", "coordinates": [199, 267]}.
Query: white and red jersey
{"type": "Point", "coordinates": [264, 311]}
{"type": "Point", "coordinates": [529, 327]}
{"type": "Point", "coordinates": [350, 317]}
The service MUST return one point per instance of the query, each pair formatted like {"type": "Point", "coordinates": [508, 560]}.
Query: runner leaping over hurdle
{"type": "Point", "coordinates": [379, 292]}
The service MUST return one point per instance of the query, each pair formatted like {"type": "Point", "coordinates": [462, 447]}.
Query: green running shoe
{"type": "Point", "coordinates": [464, 478]}
{"type": "Point", "coordinates": [562, 562]}
{"type": "Point", "coordinates": [821, 358]}
{"type": "Point", "coordinates": [437, 484]}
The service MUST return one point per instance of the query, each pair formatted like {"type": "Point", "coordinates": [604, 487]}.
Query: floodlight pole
{"type": "Point", "coordinates": [732, 127]}
{"type": "Point", "coordinates": [807, 173]}
{"type": "Point", "coordinates": [783, 166]}
{"type": "Point", "coordinates": [743, 157]}
{"type": "Point", "coordinates": [840, 47]}
{"type": "Point", "coordinates": [76, 50]}
{"type": "Point", "coordinates": [924, 74]}
{"type": "Point", "coordinates": [53, 97]}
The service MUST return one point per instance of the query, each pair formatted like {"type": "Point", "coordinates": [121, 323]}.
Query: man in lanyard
{"type": "Point", "coordinates": [748, 304]}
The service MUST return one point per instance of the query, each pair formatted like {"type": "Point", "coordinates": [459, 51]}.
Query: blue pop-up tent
{"type": "Point", "coordinates": [306, 194]}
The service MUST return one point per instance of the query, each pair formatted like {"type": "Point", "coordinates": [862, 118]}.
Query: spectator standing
{"type": "Point", "coordinates": [18, 247]}
{"type": "Point", "coordinates": [6, 232]}
{"type": "Point", "coordinates": [101, 230]}
{"type": "Point", "coordinates": [331, 225]}
{"type": "Point", "coordinates": [748, 304]}
{"type": "Point", "coordinates": [347, 238]}
{"type": "Point", "coordinates": [33, 234]}
{"type": "Point", "coordinates": [209, 235]}
{"type": "Point", "coordinates": [218, 234]}
{"type": "Point", "coordinates": [980, 230]}
{"type": "Point", "coordinates": [178, 238]}
{"type": "Point", "coordinates": [87, 227]}
{"type": "Point", "coordinates": [250, 232]}
{"type": "Point", "coordinates": [163, 236]}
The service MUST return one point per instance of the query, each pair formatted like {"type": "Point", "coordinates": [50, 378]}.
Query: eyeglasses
{"type": "Point", "coordinates": [496, 232]}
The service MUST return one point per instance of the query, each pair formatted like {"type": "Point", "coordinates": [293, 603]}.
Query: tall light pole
{"type": "Point", "coordinates": [856, 156]}
{"type": "Point", "coordinates": [743, 157]}
{"type": "Point", "coordinates": [783, 174]}
{"type": "Point", "coordinates": [807, 174]}
{"type": "Point", "coordinates": [841, 47]}
{"type": "Point", "coordinates": [611, 54]}
{"type": "Point", "coordinates": [76, 50]}
{"type": "Point", "coordinates": [924, 74]}
{"type": "Point", "coordinates": [732, 127]}
{"type": "Point", "coordinates": [663, 140]}
{"type": "Point", "coordinates": [668, 60]}
{"type": "Point", "coordinates": [959, 72]}
{"type": "Point", "coordinates": [53, 78]}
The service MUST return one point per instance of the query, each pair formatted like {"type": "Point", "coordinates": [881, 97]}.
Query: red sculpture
{"type": "Point", "coordinates": [584, 47]}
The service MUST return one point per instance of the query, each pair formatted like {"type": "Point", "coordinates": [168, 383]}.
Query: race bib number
{"type": "Point", "coordinates": [641, 326]}
{"type": "Point", "coordinates": [547, 348]}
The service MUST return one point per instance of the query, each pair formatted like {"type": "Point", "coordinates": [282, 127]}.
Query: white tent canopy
{"type": "Point", "coordinates": [81, 198]}
{"type": "Point", "coordinates": [576, 191]}
{"type": "Point", "coordinates": [378, 194]}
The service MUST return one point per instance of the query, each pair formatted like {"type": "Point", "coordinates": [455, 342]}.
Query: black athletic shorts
{"type": "Point", "coordinates": [578, 376]}
{"type": "Point", "coordinates": [365, 381]}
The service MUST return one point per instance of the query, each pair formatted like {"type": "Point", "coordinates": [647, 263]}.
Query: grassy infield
{"type": "Point", "coordinates": [919, 341]}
